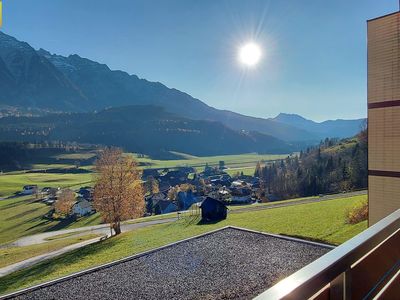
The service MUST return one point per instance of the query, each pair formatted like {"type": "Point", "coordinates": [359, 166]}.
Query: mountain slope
{"type": "Point", "coordinates": [116, 88]}
{"type": "Point", "coordinates": [331, 128]}
{"type": "Point", "coordinates": [41, 80]}
{"type": "Point", "coordinates": [75, 84]}
{"type": "Point", "coordinates": [28, 79]}
{"type": "Point", "coordinates": [144, 129]}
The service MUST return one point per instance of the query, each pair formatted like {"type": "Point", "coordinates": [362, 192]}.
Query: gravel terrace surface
{"type": "Point", "coordinates": [227, 264]}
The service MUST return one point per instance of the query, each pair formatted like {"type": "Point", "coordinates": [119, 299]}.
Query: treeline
{"type": "Point", "coordinates": [20, 155]}
{"type": "Point", "coordinates": [332, 166]}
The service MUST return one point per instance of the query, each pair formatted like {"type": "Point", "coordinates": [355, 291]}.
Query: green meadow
{"type": "Point", "coordinates": [308, 221]}
{"type": "Point", "coordinates": [23, 216]}
{"type": "Point", "coordinates": [12, 182]}
{"type": "Point", "coordinates": [231, 161]}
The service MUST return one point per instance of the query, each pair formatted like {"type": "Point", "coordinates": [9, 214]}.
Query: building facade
{"type": "Point", "coordinates": [383, 116]}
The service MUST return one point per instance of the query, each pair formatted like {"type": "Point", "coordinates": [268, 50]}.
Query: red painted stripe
{"type": "Point", "coordinates": [384, 173]}
{"type": "Point", "coordinates": [391, 103]}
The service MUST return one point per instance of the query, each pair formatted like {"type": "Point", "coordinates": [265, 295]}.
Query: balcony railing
{"type": "Point", "coordinates": [365, 267]}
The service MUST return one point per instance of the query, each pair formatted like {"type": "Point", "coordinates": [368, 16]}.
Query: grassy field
{"type": "Point", "coordinates": [231, 161]}
{"type": "Point", "coordinates": [13, 182]}
{"type": "Point", "coordinates": [11, 255]}
{"type": "Point", "coordinates": [23, 216]}
{"type": "Point", "coordinates": [323, 221]}
{"type": "Point", "coordinates": [245, 170]}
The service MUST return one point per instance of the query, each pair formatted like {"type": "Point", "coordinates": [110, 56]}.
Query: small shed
{"type": "Point", "coordinates": [213, 210]}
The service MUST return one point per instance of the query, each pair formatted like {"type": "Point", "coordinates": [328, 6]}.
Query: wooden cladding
{"type": "Point", "coordinates": [383, 59]}
{"type": "Point", "coordinates": [383, 116]}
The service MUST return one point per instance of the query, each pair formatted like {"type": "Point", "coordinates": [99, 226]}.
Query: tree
{"type": "Point", "coordinates": [173, 193]}
{"type": "Point", "coordinates": [257, 172]}
{"type": "Point", "coordinates": [152, 186]}
{"type": "Point", "coordinates": [118, 192]}
{"type": "Point", "coordinates": [65, 202]}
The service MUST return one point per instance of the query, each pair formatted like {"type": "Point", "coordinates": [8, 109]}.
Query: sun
{"type": "Point", "coordinates": [250, 54]}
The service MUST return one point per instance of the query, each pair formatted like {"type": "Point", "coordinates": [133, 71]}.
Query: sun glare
{"type": "Point", "coordinates": [250, 54]}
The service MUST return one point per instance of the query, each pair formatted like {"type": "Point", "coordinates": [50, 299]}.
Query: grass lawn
{"type": "Point", "coordinates": [245, 170]}
{"type": "Point", "coordinates": [233, 161]}
{"type": "Point", "coordinates": [13, 182]}
{"type": "Point", "coordinates": [323, 221]}
{"type": "Point", "coordinates": [76, 156]}
{"type": "Point", "coordinates": [23, 216]}
{"type": "Point", "coordinates": [9, 256]}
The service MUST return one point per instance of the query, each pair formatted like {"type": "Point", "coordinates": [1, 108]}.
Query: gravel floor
{"type": "Point", "coordinates": [227, 264]}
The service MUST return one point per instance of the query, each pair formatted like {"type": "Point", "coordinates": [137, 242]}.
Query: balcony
{"type": "Point", "coordinates": [365, 267]}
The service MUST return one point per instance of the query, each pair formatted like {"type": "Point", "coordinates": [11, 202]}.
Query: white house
{"type": "Point", "coordinates": [82, 208]}
{"type": "Point", "coordinates": [29, 189]}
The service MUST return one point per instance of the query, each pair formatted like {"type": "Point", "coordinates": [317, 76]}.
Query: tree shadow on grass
{"type": "Point", "coordinates": [204, 222]}
{"type": "Point", "coordinates": [62, 224]}
{"type": "Point", "coordinates": [24, 213]}
{"type": "Point", "coordinates": [18, 203]}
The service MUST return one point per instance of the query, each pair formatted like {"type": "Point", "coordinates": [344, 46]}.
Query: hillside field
{"type": "Point", "coordinates": [23, 216]}
{"type": "Point", "coordinates": [231, 161]}
{"type": "Point", "coordinates": [307, 221]}
{"type": "Point", "coordinates": [13, 182]}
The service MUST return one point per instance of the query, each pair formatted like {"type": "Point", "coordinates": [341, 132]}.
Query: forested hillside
{"type": "Point", "coordinates": [332, 166]}
{"type": "Point", "coordinates": [142, 129]}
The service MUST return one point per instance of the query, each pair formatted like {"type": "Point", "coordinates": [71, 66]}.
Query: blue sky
{"type": "Point", "coordinates": [314, 51]}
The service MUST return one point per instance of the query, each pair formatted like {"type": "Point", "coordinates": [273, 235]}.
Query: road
{"type": "Point", "coordinates": [37, 259]}
{"type": "Point", "coordinates": [103, 229]}
{"type": "Point", "coordinates": [297, 202]}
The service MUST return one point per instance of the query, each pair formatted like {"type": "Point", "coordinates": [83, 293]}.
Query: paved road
{"type": "Point", "coordinates": [37, 259]}
{"type": "Point", "coordinates": [297, 202]}
{"type": "Point", "coordinates": [103, 229]}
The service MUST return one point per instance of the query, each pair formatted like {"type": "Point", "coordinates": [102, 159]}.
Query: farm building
{"type": "Point", "coordinates": [213, 210]}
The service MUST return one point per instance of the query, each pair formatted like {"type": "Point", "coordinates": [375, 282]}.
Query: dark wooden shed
{"type": "Point", "coordinates": [213, 210]}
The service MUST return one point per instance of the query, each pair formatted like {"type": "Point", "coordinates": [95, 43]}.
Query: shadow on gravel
{"type": "Point", "coordinates": [308, 239]}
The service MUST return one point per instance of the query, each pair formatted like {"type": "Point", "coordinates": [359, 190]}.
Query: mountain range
{"type": "Point", "coordinates": [39, 80]}
{"type": "Point", "coordinates": [141, 129]}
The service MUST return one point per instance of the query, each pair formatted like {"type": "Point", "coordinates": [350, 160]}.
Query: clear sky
{"type": "Point", "coordinates": [314, 51]}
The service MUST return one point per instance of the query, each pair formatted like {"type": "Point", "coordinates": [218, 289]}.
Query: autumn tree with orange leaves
{"type": "Point", "coordinates": [118, 191]}
{"type": "Point", "coordinates": [65, 202]}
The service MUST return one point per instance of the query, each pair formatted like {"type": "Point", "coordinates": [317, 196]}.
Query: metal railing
{"type": "Point", "coordinates": [365, 267]}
